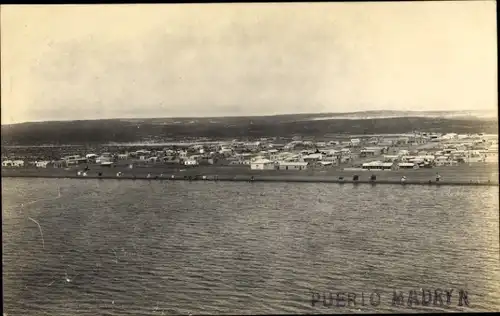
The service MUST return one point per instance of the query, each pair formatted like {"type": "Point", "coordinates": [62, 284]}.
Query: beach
{"type": "Point", "coordinates": [484, 174]}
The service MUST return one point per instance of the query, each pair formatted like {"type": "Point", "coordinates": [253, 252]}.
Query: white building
{"type": "Point", "coordinates": [262, 164]}
{"type": "Point", "coordinates": [18, 163]}
{"type": "Point", "coordinates": [371, 151]}
{"type": "Point", "coordinates": [403, 152]}
{"type": "Point", "coordinates": [403, 140]}
{"type": "Point", "coordinates": [190, 162]}
{"type": "Point", "coordinates": [445, 161]}
{"type": "Point", "coordinates": [355, 142]}
{"type": "Point", "coordinates": [74, 160]}
{"type": "Point", "coordinates": [390, 158]}
{"type": "Point", "coordinates": [102, 159]}
{"type": "Point", "coordinates": [312, 158]}
{"type": "Point", "coordinates": [7, 163]}
{"type": "Point", "coordinates": [407, 165]}
{"type": "Point", "coordinates": [290, 165]}
{"type": "Point", "coordinates": [377, 165]}
{"type": "Point", "coordinates": [41, 164]}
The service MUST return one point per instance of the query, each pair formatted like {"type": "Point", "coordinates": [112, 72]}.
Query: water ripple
{"type": "Point", "coordinates": [136, 248]}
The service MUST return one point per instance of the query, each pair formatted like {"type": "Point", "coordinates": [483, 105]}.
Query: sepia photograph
{"type": "Point", "coordinates": [250, 158]}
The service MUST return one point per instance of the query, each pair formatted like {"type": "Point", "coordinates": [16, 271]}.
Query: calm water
{"type": "Point", "coordinates": [152, 248]}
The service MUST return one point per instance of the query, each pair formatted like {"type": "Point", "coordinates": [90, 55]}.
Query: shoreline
{"type": "Point", "coordinates": [256, 178]}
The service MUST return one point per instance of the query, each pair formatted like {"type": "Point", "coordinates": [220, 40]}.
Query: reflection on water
{"type": "Point", "coordinates": [147, 248]}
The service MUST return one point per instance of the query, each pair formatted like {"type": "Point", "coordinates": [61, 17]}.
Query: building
{"type": "Point", "coordinates": [102, 159]}
{"type": "Point", "coordinates": [58, 164]}
{"type": "Point", "coordinates": [7, 163]}
{"type": "Point", "coordinates": [191, 162]}
{"type": "Point", "coordinates": [292, 165]}
{"type": "Point", "coordinates": [445, 161]}
{"type": "Point", "coordinates": [74, 160]}
{"type": "Point", "coordinates": [312, 158]}
{"type": "Point", "coordinates": [377, 165]}
{"type": "Point", "coordinates": [402, 141]}
{"type": "Point", "coordinates": [355, 142]}
{"type": "Point", "coordinates": [41, 164]}
{"type": "Point", "coordinates": [325, 163]}
{"type": "Point", "coordinates": [262, 164]}
{"type": "Point", "coordinates": [152, 159]}
{"type": "Point", "coordinates": [403, 152]}
{"type": "Point", "coordinates": [390, 158]}
{"type": "Point", "coordinates": [18, 163]}
{"type": "Point", "coordinates": [407, 165]}
{"type": "Point", "coordinates": [371, 151]}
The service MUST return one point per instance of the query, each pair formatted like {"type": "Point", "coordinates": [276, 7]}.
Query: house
{"type": "Point", "coordinates": [253, 145]}
{"type": "Point", "coordinates": [377, 165]}
{"type": "Point", "coordinates": [312, 158]}
{"type": "Point", "coordinates": [191, 162]}
{"type": "Point", "coordinates": [41, 164]}
{"type": "Point", "coordinates": [7, 163]}
{"type": "Point", "coordinates": [407, 165]}
{"type": "Point", "coordinates": [345, 152]}
{"type": "Point", "coordinates": [355, 142]}
{"type": "Point", "coordinates": [58, 164]}
{"type": "Point", "coordinates": [371, 151]}
{"type": "Point", "coordinates": [385, 143]}
{"type": "Point", "coordinates": [152, 159]}
{"type": "Point", "coordinates": [225, 152]}
{"type": "Point", "coordinates": [74, 160]}
{"type": "Point", "coordinates": [445, 161]}
{"type": "Point", "coordinates": [390, 158]}
{"type": "Point", "coordinates": [289, 165]}
{"type": "Point", "coordinates": [102, 159]}
{"type": "Point", "coordinates": [472, 159]}
{"type": "Point", "coordinates": [262, 164]}
{"type": "Point", "coordinates": [402, 141]}
{"type": "Point", "coordinates": [388, 141]}
{"type": "Point", "coordinates": [123, 156]}
{"type": "Point", "coordinates": [325, 163]}
{"type": "Point", "coordinates": [18, 163]}
{"type": "Point", "coordinates": [429, 158]}
{"type": "Point", "coordinates": [403, 152]}
{"type": "Point", "coordinates": [141, 152]}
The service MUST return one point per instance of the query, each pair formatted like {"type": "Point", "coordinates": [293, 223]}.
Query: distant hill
{"type": "Point", "coordinates": [160, 129]}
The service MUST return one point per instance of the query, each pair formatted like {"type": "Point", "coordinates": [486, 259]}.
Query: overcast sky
{"type": "Point", "coordinates": [96, 61]}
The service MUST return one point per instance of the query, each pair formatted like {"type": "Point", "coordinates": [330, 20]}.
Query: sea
{"type": "Point", "coordinates": [136, 247]}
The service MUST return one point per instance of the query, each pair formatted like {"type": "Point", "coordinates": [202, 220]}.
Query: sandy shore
{"type": "Point", "coordinates": [459, 175]}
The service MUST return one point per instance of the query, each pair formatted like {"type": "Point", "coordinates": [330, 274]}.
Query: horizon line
{"type": "Point", "coordinates": [249, 116]}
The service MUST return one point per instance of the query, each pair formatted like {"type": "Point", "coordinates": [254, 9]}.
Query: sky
{"type": "Point", "coordinates": [181, 60]}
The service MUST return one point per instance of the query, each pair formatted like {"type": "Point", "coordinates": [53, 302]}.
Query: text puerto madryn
{"type": "Point", "coordinates": [411, 298]}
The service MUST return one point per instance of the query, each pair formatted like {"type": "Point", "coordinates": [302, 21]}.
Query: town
{"type": "Point", "coordinates": [356, 153]}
